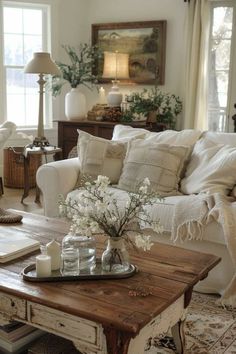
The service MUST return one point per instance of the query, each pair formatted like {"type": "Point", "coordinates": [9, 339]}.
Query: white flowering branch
{"type": "Point", "coordinates": [97, 211]}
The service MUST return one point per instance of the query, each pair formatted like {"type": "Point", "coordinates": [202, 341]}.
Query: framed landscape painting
{"type": "Point", "coordinates": [145, 42]}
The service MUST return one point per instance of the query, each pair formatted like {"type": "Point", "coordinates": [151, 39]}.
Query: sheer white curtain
{"type": "Point", "coordinates": [198, 24]}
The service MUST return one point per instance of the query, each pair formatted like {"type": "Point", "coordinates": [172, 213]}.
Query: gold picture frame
{"type": "Point", "coordinates": [145, 42]}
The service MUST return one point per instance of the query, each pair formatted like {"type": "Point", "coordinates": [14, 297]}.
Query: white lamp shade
{"type": "Point", "coordinates": [116, 65]}
{"type": "Point", "coordinates": [42, 64]}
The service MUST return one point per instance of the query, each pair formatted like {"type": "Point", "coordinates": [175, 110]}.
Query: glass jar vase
{"type": "Point", "coordinates": [86, 246]}
{"type": "Point", "coordinates": [116, 257]}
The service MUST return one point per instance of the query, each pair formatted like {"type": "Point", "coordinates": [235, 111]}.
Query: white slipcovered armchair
{"type": "Point", "coordinates": [6, 131]}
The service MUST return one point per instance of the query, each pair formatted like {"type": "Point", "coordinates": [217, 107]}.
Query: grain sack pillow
{"type": "Point", "coordinates": [100, 156]}
{"type": "Point", "coordinates": [212, 168]}
{"type": "Point", "coordinates": [161, 163]}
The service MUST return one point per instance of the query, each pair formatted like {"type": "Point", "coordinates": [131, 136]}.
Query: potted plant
{"type": "Point", "coordinates": [164, 107]}
{"type": "Point", "coordinates": [77, 72]}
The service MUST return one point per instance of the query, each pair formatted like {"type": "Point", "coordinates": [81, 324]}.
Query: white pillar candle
{"type": "Point", "coordinates": [43, 265]}
{"type": "Point", "coordinates": [102, 96]}
{"type": "Point", "coordinates": [54, 251]}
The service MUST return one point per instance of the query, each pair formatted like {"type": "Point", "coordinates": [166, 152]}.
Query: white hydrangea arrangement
{"type": "Point", "coordinates": [98, 211]}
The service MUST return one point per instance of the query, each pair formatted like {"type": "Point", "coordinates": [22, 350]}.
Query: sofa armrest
{"type": "Point", "coordinates": [57, 178]}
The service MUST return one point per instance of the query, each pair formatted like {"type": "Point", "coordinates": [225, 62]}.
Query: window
{"type": "Point", "coordinates": [220, 64]}
{"type": "Point", "coordinates": [25, 31]}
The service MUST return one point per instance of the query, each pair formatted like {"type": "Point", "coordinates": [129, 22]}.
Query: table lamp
{"type": "Point", "coordinates": [116, 66]}
{"type": "Point", "coordinates": [41, 64]}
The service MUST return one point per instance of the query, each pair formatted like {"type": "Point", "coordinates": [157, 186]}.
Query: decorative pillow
{"type": "Point", "coordinates": [125, 132]}
{"type": "Point", "coordinates": [161, 163]}
{"type": "Point", "coordinates": [99, 156]}
{"type": "Point", "coordinates": [212, 168]}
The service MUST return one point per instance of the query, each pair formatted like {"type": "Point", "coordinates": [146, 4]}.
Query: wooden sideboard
{"type": "Point", "coordinates": [68, 135]}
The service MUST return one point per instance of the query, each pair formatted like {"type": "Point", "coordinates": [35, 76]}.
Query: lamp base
{"type": "Point", "coordinates": [114, 97]}
{"type": "Point", "coordinates": [40, 142]}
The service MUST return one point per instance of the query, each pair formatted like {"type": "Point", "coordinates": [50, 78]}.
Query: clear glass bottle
{"type": "Point", "coordinates": [116, 257]}
{"type": "Point", "coordinates": [86, 246]}
{"type": "Point", "coordinates": [70, 261]}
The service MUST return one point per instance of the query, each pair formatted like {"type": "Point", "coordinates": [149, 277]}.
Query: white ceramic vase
{"type": "Point", "coordinates": [75, 105]}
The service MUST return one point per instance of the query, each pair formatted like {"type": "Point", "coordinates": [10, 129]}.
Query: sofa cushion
{"type": "Point", "coordinates": [187, 137]}
{"type": "Point", "coordinates": [212, 168]}
{"type": "Point", "coordinates": [161, 163]}
{"type": "Point", "coordinates": [126, 132]}
{"type": "Point", "coordinates": [99, 156]}
{"type": "Point", "coordinates": [220, 138]}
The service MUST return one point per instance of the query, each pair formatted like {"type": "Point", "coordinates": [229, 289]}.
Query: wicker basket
{"type": "Point", "coordinates": [14, 168]}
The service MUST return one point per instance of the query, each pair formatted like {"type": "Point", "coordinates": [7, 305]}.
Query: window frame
{"type": "Point", "coordinates": [214, 4]}
{"type": "Point", "coordinates": [46, 46]}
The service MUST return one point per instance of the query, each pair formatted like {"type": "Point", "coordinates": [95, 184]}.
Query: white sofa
{"type": "Point", "coordinates": [61, 177]}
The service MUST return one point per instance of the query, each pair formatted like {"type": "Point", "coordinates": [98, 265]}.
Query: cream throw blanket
{"type": "Point", "coordinates": [193, 215]}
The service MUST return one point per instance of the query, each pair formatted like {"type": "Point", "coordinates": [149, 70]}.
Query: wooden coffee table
{"type": "Point", "coordinates": [104, 316]}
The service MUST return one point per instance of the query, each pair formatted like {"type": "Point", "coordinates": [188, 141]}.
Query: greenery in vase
{"type": "Point", "coordinates": [167, 106]}
{"type": "Point", "coordinates": [98, 210]}
{"type": "Point", "coordinates": [80, 69]}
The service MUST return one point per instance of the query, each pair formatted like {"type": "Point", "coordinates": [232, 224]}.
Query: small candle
{"type": "Point", "coordinates": [43, 265]}
{"type": "Point", "coordinates": [54, 251]}
{"type": "Point", "coordinates": [102, 96]}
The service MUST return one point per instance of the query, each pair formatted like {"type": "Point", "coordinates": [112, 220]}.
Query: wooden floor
{"type": "Point", "coordinates": [12, 199]}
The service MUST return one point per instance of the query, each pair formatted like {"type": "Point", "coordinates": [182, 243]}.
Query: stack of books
{"type": "Point", "coordinates": [17, 246]}
{"type": "Point", "coordinates": [15, 337]}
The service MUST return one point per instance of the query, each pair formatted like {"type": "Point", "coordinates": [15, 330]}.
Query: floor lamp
{"type": "Point", "coordinates": [41, 64]}
{"type": "Point", "coordinates": [116, 66]}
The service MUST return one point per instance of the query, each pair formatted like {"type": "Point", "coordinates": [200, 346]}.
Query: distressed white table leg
{"type": "Point", "coordinates": [158, 326]}
{"type": "Point", "coordinates": [121, 343]}
{"type": "Point", "coordinates": [179, 336]}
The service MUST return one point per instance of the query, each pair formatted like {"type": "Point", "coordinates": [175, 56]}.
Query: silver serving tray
{"type": "Point", "coordinates": [29, 274]}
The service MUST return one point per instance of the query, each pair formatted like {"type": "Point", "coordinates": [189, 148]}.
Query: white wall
{"type": "Point", "coordinates": [72, 24]}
